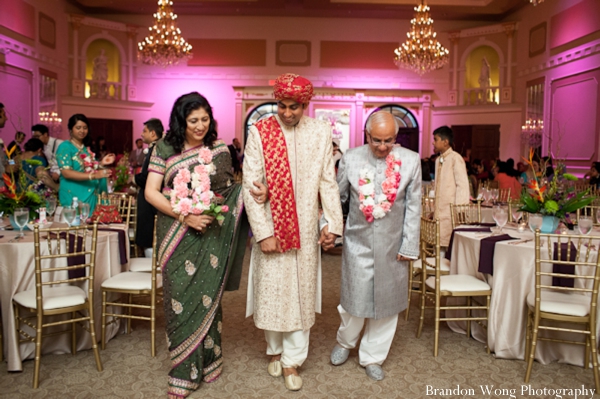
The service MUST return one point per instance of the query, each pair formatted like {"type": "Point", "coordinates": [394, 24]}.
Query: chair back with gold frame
{"type": "Point", "coordinates": [64, 284]}
{"type": "Point", "coordinates": [132, 228]}
{"type": "Point", "coordinates": [427, 206]}
{"type": "Point", "coordinates": [465, 214]}
{"type": "Point", "coordinates": [567, 279]}
{"type": "Point", "coordinates": [504, 195]}
{"type": "Point", "coordinates": [437, 284]}
{"type": "Point", "coordinates": [581, 185]}
{"type": "Point", "coordinates": [590, 210]}
{"type": "Point", "coordinates": [121, 200]}
{"type": "Point", "coordinates": [133, 283]}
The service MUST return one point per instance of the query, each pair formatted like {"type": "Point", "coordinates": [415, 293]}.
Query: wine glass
{"type": "Point", "coordinates": [585, 224]}
{"type": "Point", "coordinates": [69, 213]}
{"type": "Point", "coordinates": [84, 211]}
{"type": "Point", "coordinates": [494, 195]}
{"type": "Point", "coordinates": [50, 206]}
{"type": "Point", "coordinates": [485, 193]}
{"type": "Point", "coordinates": [21, 217]}
{"type": "Point", "coordinates": [535, 221]}
{"type": "Point", "coordinates": [500, 215]}
{"type": "Point", "coordinates": [516, 214]}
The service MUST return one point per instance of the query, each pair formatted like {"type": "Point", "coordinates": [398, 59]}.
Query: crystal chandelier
{"type": "Point", "coordinates": [52, 121]}
{"type": "Point", "coordinates": [532, 132]}
{"type": "Point", "coordinates": [422, 52]}
{"type": "Point", "coordinates": [164, 45]}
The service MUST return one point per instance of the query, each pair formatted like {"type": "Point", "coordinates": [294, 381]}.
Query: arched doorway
{"type": "Point", "coordinates": [262, 111]}
{"type": "Point", "coordinates": [408, 133]}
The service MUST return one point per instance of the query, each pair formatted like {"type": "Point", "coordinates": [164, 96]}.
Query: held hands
{"type": "Point", "coordinates": [327, 239]}
{"type": "Point", "coordinates": [270, 245]}
{"type": "Point", "coordinates": [260, 193]}
{"type": "Point", "coordinates": [108, 160]}
{"type": "Point", "coordinates": [401, 258]}
{"type": "Point", "coordinates": [199, 222]}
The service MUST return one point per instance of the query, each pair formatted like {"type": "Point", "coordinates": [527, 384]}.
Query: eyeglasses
{"type": "Point", "coordinates": [387, 143]}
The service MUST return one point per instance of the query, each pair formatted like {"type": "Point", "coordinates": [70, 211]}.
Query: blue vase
{"type": "Point", "coordinates": [549, 224]}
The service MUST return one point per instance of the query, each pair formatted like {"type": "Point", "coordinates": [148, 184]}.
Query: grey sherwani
{"type": "Point", "coordinates": [374, 283]}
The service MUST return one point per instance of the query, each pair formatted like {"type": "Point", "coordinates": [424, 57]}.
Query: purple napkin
{"type": "Point", "coordinates": [564, 269]}
{"type": "Point", "coordinates": [486, 252]}
{"type": "Point", "coordinates": [75, 260]}
{"type": "Point", "coordinates": [122, 243]}
{"type": "Point", "coordinates": [480, 229]}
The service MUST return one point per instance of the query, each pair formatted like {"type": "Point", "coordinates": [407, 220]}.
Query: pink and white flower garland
{"type": "Point", "coordinates": [89, 163]}
{"type": "Point", "coordinates": [199, 198]}
{"type": "Point", "coordinates": [366, 190]}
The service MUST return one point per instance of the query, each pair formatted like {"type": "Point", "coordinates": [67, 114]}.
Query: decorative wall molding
{"type": "Point", "coordinates": [78, 19]}
{"type": "Point", "coordinates": [9, 45]}
{"type": "Point", "coordinates": [578, 53]}
{"type": "Point", "coordinates": [504, 28]}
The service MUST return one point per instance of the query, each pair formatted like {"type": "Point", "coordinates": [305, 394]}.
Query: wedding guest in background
{"type": "Point", "coordinates": [100, 151]}
{"type": "Point", "coordinates": [235, 160]}
{"type": "Point", "coordinates": [152, 132]}
{"type": "Point", "coordinates": [19, 138]}
{"type": "Point", "coordinates": [480, 173]}
{"type": "Point", "coordinates": [81, 177]}
{"type": "Point", "coordinates": [50, 147]}
{"type": "Point", "coordinates": [33, 152]}
{"type": "Point", "coordinates": [505, 180]}
{"type": "Point", "coordinates": [378, 244]}
{"type": "Point", "coordinates": [137, 156]}
{"type": "Point", "coordinates": [594, 175]}
{"type": "Point", "coordinates": [3, 116]}
{"type": "Point", "coordinates": [451, 181]}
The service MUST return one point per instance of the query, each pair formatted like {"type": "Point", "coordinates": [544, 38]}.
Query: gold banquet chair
{"type": "Point", "coordinates": [590, 210]}
{"type": "Point", "coordinates": [503, 195]}
{"type": "Point", "coordinates": [573, 305]}
{"type": "Point", "coordinates": [437, 283]}
{"type": "Point", "coordinates": [57, 294]}
{"type": "Point", "coordinates": [145, 281]}
{"type": "Point", "coordinates": [465, 214]}
{"type": "Point", "coordinates": [122, 202]}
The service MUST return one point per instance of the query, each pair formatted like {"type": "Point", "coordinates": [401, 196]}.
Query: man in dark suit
{"type": "Point", "coordinates": [153, 131]}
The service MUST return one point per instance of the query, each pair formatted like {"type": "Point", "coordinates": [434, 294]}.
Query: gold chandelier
{"type": "Point", "coordinates": [164, 45]}
{"type": "Point", "coordinates": [536, 2]}
{"type": "Point", "coordinates": [422, 52]}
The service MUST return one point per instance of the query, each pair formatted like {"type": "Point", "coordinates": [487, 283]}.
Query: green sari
{"type": "Point", "coordinates": [197, 269]}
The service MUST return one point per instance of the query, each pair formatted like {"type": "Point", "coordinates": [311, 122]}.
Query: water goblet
{"type": "Point", "coordinates": [500, 215]}
{"type": "Point", "coordinates": [585, 224]}
{"type": "Point", "coordinates": [84, 211]}
{"type": "Point", "coordinates": [516, 214]}
{"type": "Point", "coordinates": [21, 217]}
{"type": "Point", "coordinates": [494, 195]}
{"type": "Point", "coordinates": [535, 221]}
{"type": "Point", "coordinates": [50, 206]}
{"type": "Point", "coordinates": [69, 213]}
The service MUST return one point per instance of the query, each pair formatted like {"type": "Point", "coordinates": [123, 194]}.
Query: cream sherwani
{"type": "Point", "coordinates": [285, 285]}
{"type": "Point", "coordinates": [451, 187]}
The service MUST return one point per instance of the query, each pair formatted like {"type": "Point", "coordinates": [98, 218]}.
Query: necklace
{"type": "Point", "coordinates": [366, 190]}
{"type": "Point", "coordinates": [79, 146]}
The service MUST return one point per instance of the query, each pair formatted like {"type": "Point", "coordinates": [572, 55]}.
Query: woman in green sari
{"type": "Point", "coordinates": [200, 257]}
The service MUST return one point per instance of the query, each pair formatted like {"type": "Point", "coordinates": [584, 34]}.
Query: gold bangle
{"type": "Point", "coordinates": [181, 217]}
{"type": "Point", "coordinates": [90, 175]}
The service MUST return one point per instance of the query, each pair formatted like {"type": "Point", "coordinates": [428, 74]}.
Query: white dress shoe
{"type": "Point", "coordinates": [274, 368]}
{"type": "Point", "coordinates": [293, 382]}
{"type": "Point", "coordinates": [375, 372]}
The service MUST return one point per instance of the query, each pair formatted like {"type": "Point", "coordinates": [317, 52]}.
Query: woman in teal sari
{"type": "Point", "coordinates": [200, 256]}
{"type": "Point", "coordinates": [80, 175]}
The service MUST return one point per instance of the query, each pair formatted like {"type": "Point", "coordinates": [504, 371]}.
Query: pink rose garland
{"type": "Point", "coordinates": [366, 190]}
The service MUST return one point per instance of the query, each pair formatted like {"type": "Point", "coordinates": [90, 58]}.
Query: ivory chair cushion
{"type": "Point", "coordinates": [140, 265]}
{"type": "Point", "coordinates": [459, 283]}
{"type": "Point", "coordinates": [569, 304]}
{"type": "Point", "coordinates": [132, 281]}
{"type": "Point", "coordinates": [444, 264]}
{"type": "Point", "coordinates": [54, 297]}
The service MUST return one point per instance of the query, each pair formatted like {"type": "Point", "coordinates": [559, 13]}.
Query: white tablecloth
{"type": "Point", "coordinates": [512, 280]}
{"type": "Point", "coordinates": [17, 274]}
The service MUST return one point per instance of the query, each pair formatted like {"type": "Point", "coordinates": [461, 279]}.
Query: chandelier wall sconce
{"type": "Point", "coordinates": [532, 132]}
{"type": "Point", "coordinates": [164, 46]}
{"type": "Point", "coordinates": [422, 52]}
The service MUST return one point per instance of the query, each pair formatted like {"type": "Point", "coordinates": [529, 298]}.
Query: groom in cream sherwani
{"type": "Point", "coordinates": [292, 154]}
{"type": "Point", "coordinates": [381, 235]}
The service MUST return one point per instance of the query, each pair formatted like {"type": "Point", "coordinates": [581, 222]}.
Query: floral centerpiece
{"type": "Point", "coordinates": [15, 194]}
{"type": "Point", "coordinates": [123, 172]}
{"type": "Point", "coordinates": [191, 192]}
{"type": "Point", "coordinates": [553, 197]}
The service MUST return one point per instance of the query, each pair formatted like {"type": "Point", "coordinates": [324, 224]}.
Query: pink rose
{"type": "Point", "coordinates": [388, 186]}
{"type": "Point", "coordinates": [204, 155]}
{"type": "Point", "coordinates": [181, 191]}
{"type": "Point", "coordinates": [196, 211]}
{"type": "Point", "coordinates": [224, 208]}
{"type": "Point", "coordinates": [386, 206]}
{"type": "Point", "coordinates": [200, 169]}
{"type": "Point", "coordinates": [362, 182]}
{"type": "Point", "coordinates": [391, 197]}
{"type": "Point", "coordinates": [361, 197]}
{"type": "Point", "coordinates": [185, 175]}
{"type": "Point", "coordinates": [185, 206]}
{"type": "Point", "coordinates": [370, 218]}
{"type": "Point", "coordinates": [205, 197]}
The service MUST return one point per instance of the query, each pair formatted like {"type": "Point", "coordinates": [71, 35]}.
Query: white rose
{"type": "Point", "coordinates": [370, 175]}
{"type": "Point", "coordinates": [363, 173]}
{"type": "Point", "coordinates": [381, 198]}
{"type": "Point", "coordinates": [369, 201]}
{"type": "Point", "coordinates": [195, 180]}
{"type": "Point", "coordinates": [145, 151]}
{"type": "Point", "coordinates": [367, 189]}
{"type": "Point", "coordinates": [210, 168]}
{"type": "Point", "coordinates": [378, 212]}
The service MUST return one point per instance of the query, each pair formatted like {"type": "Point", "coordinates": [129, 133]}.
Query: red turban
{"type": "Point", "coordinates": [294, 87]}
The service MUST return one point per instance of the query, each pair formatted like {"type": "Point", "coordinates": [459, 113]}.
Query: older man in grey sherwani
{"type": "Point", "coordinates": [381, 236]}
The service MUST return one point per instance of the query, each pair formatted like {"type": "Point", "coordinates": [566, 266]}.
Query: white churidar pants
{"type": "Point", "coordinates": [292, 346]}
{"type": "Point", "coordinates": [377, 338]}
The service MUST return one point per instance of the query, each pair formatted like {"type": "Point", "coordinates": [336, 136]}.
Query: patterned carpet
{"type": "Point", "coordinates": [130, 372]}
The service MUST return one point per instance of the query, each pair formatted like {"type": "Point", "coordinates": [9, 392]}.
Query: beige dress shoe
{"type": "Point", "coordinates": [293, 382]}
{"type": "Point", "coordinates": [274, 368]}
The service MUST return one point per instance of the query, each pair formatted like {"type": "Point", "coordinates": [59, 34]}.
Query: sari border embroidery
{"type": "Point", "coordinates": [181, 388]}
{"type": "Point", "coordinates": [170, 242]}
{"type": "Point", "coordinates": [213, 371]}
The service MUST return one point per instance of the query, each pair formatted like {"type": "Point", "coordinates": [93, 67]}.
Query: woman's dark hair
{"type": "Point", "coordinates": [503, 167]}
{"type": "Point", "coordinates": [34, 145]}
{"type": "Point", "coordinates": [76, 118]}
{"type": "Point", "coordinates": [182, 108]}
{"type": "Point", "coordinates": [596, 165]}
